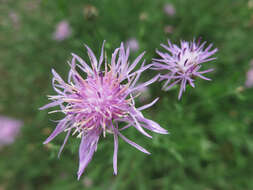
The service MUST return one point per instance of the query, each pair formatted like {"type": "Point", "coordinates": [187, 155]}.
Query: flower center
{"type": "Point", "coordinates": [186, 60]}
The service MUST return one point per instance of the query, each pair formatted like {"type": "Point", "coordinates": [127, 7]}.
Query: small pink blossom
{"type": "Point", "coordinates": [168, 29]}
{"type": "Point", "coordinates": [133, 44]}
{"type": "Point", "coordinates": [249, 76]}
{"type": "Point", "coordinates": [62, 31]}
{"type": "Point", "coordinates": [14, 19]}
{"type": "Point", "coordinates": [9, 129]}
{"type": "Point", "coordinates": [169, 9]}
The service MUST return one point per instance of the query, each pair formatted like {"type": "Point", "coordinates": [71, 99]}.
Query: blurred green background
{"type": "Point", "coordinates": [210, 146]}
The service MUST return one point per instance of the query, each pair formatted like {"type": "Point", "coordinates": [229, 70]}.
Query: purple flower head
{"type": "Point", "coordinates": [62, 31]}
{"type": "Point", "coordinates": [95, 105]}
{"type": "Point", "coordinates": [133, 44]}
{"type": "Point", "coordinates": [9, 128]}
{"type": "Point", "coordinates": [168, 29]}
{"type": "Point", "coordinates": [169, 9]}
{"type": "Point", "coordinates": [183, 63]}
{"type": "Point", "coordinates": [14, 19]}
{"type": "Point", "coordinates": [249, 76]}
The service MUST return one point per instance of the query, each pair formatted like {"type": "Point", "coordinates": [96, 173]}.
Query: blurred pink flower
{"type": "Point", "coordinates": [14, 19]}
{"type": "Point", "coordinates": [168, 29]}
{"type": "Point", "coordinates": [133, 44]}
{"type": "Point", "coordinates": [9, 129]}
{"type": "Point", "coordinates": [249, 80]}
{"type": "Point", "coordinates": [169, 9]}
{"type": "Point", "coordinates": [249, 76]}
{"type": "Point", "coordinates": [87, 182]}
{"type": "Point", "coordinates": [62, 31]}
{"type": "Point", "coordinates": [145, 94]}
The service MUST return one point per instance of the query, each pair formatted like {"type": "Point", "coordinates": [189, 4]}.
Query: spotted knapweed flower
{"type": "Point", "coordinates": [169, 9]}
{"type": "Point", "coordinates": [9, 130]}
{"type": "Point", "coordinates": [62, 31]}
{"type": "Point", "coordinates": [183, 63]}
{"type": "Point", "coordinates": [15, 19]}
{"type": "Point", "coordinates": [133, 44]}
{"type": "Point", "coordinates": [94, 106]}
{"type": "Point", "coordinates": [249, 76]}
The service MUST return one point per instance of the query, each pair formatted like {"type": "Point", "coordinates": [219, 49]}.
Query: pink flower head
{"type": "Point", "coordinates": [183, 63]}
{"type": "Point", "coordinates": [93, 106]}
{"type": "Point", "coordinates": [249, 79]}
{"type": "Point", "coordinates": [133, 44]}
{"type": "Point", "coordinates": [62, 31]}
{"type": "Point", "coordinates": [168, 29]}
{"type": "Point", "coordinates": [15, 19]}
{"type": "Point", "coordinates": [169, 9]}
{"type": "Point", "coordinates": [249, 76]}
{"type": "Point", "coordinates": [9, 128]}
